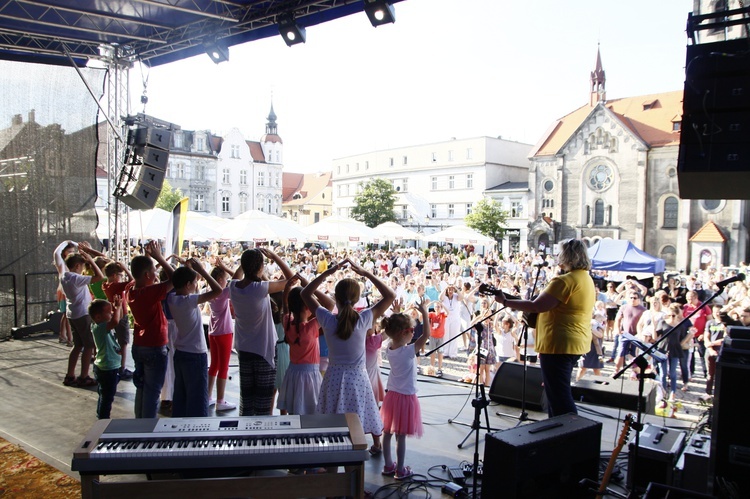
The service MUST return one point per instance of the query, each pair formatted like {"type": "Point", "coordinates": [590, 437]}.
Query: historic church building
{"type": "Point", "coordinates": [609, 170]}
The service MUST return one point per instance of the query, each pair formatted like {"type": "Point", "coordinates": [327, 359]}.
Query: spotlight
{"type": "Point", "coordinates": [217, 50]}
{"type": "Point", "coordinates": [291, 32]}
{"type": "Point", "coordinates": [380, 12]}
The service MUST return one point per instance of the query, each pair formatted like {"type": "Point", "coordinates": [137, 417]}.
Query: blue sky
{"type": "Point", "coordinates": [446, 68]}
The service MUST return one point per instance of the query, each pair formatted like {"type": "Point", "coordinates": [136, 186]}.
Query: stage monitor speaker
{"type": "Point", "coordinates": [507, 386]}
{"type": "Point", "coordinates": [658, 452]}
{"type": "Point", "coordinates": [714, 155]}
{"type": "Point", "coordinates": [622, 393]}
{"type": "Point", "coordinates": [692, 467]}
{"type": "Point", "coordinates": [659, 491]}
{"type": "Point", "coordinates": [140, 196]}
{"type": "Point", "coordinates": [154, 137]}
{"type": "Point", "coordinates": [542, 460]}
{"type": "Point", "coordinates": [730, 439]}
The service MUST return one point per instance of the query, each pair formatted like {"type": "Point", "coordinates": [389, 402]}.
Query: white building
{"type": "Point", "coordinates": [437, 184]}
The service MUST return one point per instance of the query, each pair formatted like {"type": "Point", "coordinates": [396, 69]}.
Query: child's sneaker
{"type": "Point", "coordinates": [389, 470]}
{"type": "Point", "coordinates": [223, 405]}
{"type": "Point", "coordinates": [403, 474]}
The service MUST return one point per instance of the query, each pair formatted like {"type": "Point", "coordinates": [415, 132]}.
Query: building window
{"type": "Point", "coordinates": [243, 202]}
{"type": "Point", "coordinates": [516, 209]}
{"type": "Point", "coordinates": [434, 157]}
{"type": "Point", "coordinates": [405, 185]}
{"type": "Point", "coordinates": [469, 180]}
{"type": "Point", "coordinates": [600, 178]}
{"type": "Point", "coordinates": [200, 171]}
{"type": "Point", "coordinates": [451, 181]}
{"type": "Point", "coordinates": [676, 125]}
{"type": "Point", "coordinates": [469, 206]}
{"type": "Point", "coordinates": [405, 161]}
{"type": "Point", "coordinates": [180, 171]}
{"type": "Point", "coordinates": [170, 169]}
{"type": "Point", "coordinates": [278, 176]}
{"type": "Point", "coordinates": [433, 183]}
{"type": "Point", "coordinates": [261, 179]}
{"type": "Point", "coordinates": [367, 165]}
{"type": "Point", "coordinates": [278, 157]}
{"type": "Point", "coordinates": [235, 152]}
{"type": "Point", "coordinates": [404, 212]}
{"type": "Point", "coordinates": [599, 212]}
{"type": "Point", "coordinates": [347, 168]}
{"type": "Point", "coordinates": [433, 211]}
{"type": "Point", "coordinates": [390, 161]}
{"type": "Point", "coordinates": [669, 254]}
{"type": "Point", "coordinates": [469, 153]}
{"type": "Point", "coordinates": [451, 210]}
{"type": "Point", "coordinates": [199, 144]}
{"type": "Point", "coordinates": [268, 205]}
{"type": "Point", "coordinates": [243, 177]}
{"type": "Point", "coordinates": [356, 167]}
{"type": "Point", "coordinates": [712, 205]}
{"type": "Point", "coordinates": [225, 176]}
{"type": "Point", "coordinates": [225, 203]}
{"type": "Point", "coordinates": [198, 204]}
{"type": "Point", "coordinates": [450, 155]}
{"type": "Point", "coordinates": [339, 189]}
{"type": "Point", "coordinates": [338, 169]}
{"type": "Point", "coordinates": [548, 203]}
{"type": "Point", "coordinates": [548, 185]}
{"type": "Point", "coordinates": [671, 205]}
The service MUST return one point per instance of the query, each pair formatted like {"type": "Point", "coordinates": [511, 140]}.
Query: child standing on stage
{"type": "Point", "coordinates": [190, 398]}
{"type": "Point", "coordinates": [220, 337]}
{"type": "Point", "coordinates": [105, 317]}
{"type": "Point", "coordinates": [300, 389]}
{"type": "Point", "coordinates": [346, 386]}
{"type": "Point", "coordinates": [401, 412]}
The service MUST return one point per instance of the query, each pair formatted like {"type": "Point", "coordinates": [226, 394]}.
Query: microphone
{"type": "Point", "coordinates": [479, 327]}
{"type": "Point", "coordinates": [725, 282]}
{"type": "Point", "coordinates": [541, 265]}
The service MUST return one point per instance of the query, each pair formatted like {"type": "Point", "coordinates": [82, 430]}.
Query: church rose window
{"type": "Point", "coordinates": [600, 177]}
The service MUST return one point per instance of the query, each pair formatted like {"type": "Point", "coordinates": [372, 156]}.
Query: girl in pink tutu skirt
{"type": "Point", "coordinates": [346, 386]}
{"type": "Point", "coordinates": [401, 413]}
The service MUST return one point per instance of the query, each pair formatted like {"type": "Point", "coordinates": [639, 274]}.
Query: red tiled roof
{"type": "Point", "coordinates": [256, 151]}
{"type": "Point", "coordinates": [271, 137]}
{"type": "Point", "coordinates": [307, 185]}
{"type": "Point", "coordinates": [649, 117]}
{"type": "Point", "coordinates": [709, 233]}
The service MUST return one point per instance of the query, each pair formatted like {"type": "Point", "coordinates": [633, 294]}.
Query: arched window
{"type": "Point", "coordinates": [669, 254]}
{"type": "Point", "coordinates": [671, 205]}
{"type": "Point", "coordinates": [599, 212]}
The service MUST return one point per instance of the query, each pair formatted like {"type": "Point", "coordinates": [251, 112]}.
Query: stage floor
{"type": "Point", "coordinates": [48, 419]}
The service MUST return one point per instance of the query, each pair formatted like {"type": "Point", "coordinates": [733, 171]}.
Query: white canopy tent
{"type": "Point", "coordinates": [341, 230]}
{"type": "Point", "coordinates": [460, 234]}
{"type": "Point", "coordinates": [257, 226]}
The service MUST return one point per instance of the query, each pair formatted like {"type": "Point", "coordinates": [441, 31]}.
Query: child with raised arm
{"type": "Point", "coordinates": [190, 397]}
{"type": "Point", "coordinates": [78, 298]}
{"type": "Point", "coordinates": [220, 336]}
{"type": "Point", "coordinates": [115, 287]}
{"type": "Point", "coordinates": [346, 385]}
{"type": "Point", "coordinates": [105, 317]}
{"type": "Point", "coordinates": [145, 294]}
{"type": "Point", "coordinates": [301, 386]}
{"type": "Point", "coordinates": [254, 330]}
{"type": "Point", "coordinates": [401, 412]}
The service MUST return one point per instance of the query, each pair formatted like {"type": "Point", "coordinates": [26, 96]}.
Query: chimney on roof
{"type": "Point", "coordinates": [17, 120]}
{"type": "Point", "coordinates": [32, 116]}
{"type": "Point", "coordinates": [598, 82]}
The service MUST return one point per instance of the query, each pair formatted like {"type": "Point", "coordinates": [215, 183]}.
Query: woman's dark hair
{"type": "Point", "coordinates": [395, 323]}
{"type": "Point", "coordinates": [252, 262]}
{"type": "Point", "coordinates": [347, 294]}
{"type": "Point", "coordinates": [182, 276]}
{"type": "Point", "coordinates": [276, 306]}
{"type": "Point", "coordinates": [295, 304]}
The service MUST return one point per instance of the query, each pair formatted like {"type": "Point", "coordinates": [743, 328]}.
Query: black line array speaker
{"type": "Point", "coordinates": [507, 386]}
{"type": "Point", "coordinates": [143, 172]}
{"type": "Point", "coordinates": [542, 460]}
{"type": "Point", "coordinates": [730, 439]}
{"type": "Point", "coordinates": [622, 393]}
{"type": "Point", "coordinates": [714, 154]}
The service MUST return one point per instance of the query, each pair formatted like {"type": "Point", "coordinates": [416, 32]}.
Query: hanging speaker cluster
{"type": "Point", "coordinates": [146, 157]}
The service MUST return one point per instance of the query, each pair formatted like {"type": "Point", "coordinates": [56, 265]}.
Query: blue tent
{"type": "Point", "coordinates": [611, 254]}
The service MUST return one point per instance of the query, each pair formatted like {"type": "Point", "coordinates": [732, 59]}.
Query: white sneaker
{"type": "Point", "coordinates": [211, 402]}
{"type": "Point", "coordinates": [223, 405]}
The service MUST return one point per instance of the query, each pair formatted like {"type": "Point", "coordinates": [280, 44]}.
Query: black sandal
{"type": "Point", "coordinates": [70, 381]}
{"type": "Point", "coordinates": [85, 382]}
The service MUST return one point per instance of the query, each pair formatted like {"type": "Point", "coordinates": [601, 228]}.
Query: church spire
{"type": "Point", "coordinates": [271, 127]}
{"type": "Point", "coordinates": [598, 81]}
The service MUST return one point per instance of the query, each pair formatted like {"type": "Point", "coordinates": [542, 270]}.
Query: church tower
{"type": "Point", "coordinates": [598, 82]}
{"type": "Point", "coordinates": [270, 141]}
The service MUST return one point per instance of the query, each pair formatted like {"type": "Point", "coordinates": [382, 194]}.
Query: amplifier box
{"type": "Point", "coordinates": [542, 460]}
{"type": "Point", "coordinates": [656, 458]}
{"type": "Point", "coordinates": [692, 467]}
{"type": "Point", "coordinates": [622, 393]}
{"type": "Point", "coordinates": [659, 491]}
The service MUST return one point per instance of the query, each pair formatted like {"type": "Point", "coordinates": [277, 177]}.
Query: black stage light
{"type": "Point", "coordinates": [291, 32]}
{"type": "Point", "coordinates": [380, 12]}
{"type": "Point", "coordinates": [217, 50]}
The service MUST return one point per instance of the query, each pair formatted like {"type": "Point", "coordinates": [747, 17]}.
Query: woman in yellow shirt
{"type": "Point", "coordinates": [563, 330]}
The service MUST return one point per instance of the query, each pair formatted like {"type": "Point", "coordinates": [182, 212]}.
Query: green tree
{"type": "Point", "coordinates": [488, 218]}
{"type": "Point", "coordinates": [374, 203]}
{"type": "Point", "coordinates": [168, 197]}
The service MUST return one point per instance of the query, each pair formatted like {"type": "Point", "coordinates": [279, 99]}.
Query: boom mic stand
{"type": "Point", "coordinates": [524, 416]}
{"type": "Point", "coordinates": [642, 363]}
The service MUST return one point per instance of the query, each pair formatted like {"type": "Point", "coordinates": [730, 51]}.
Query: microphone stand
{"type": "Point", "coordinates": [641, 362]}
{"type": "Point", "coordinates": [480, 402]}
{"type": "Point", "coordinates": [524, 416]}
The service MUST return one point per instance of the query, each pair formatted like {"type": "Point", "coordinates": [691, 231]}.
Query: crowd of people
{"type": "Point", "coordinates": [310, 326]}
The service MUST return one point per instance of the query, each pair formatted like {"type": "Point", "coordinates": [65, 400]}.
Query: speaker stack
{"type": "Point", "coordinates": [507, 386]}
{"type": "Point", "coordinates": [145, 166]}
{"type": "Point", "coordinates": [714, 154]}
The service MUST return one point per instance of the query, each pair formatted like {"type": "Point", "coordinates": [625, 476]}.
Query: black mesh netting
{"type": "Point", "coordinates": [48, 144]}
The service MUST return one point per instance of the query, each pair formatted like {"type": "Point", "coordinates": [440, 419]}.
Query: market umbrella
{"type": "Point", "coordinates": [256, 226]}
{"type": "Point", "coordinates": [391, 231]}
{"type": "Point", "coordinates": [460, 234]}
{"type": "Point", "coordinates": [340, 229]}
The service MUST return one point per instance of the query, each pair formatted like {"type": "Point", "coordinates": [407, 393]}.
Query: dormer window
{"type": "Point", "coordinates": [651, 104]}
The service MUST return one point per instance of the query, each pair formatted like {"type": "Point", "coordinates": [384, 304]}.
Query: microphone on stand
{"type": "Point", "coordinates": [726, 282]}
{"type": "Point", "coordinates": [541, 265]}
